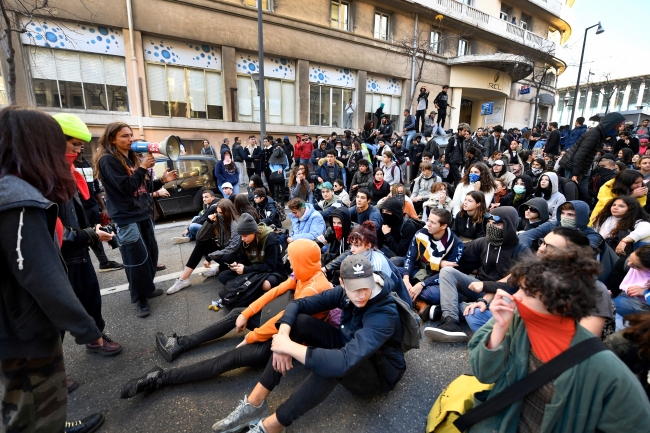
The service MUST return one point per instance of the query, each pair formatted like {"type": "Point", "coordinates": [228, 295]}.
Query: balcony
{"type": "Point", "coordinates": [552, 6]}
{"type": "Point", "coordinates": [477, 19]}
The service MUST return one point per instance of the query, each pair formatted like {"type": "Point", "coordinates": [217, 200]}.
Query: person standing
{"type": "Point", "coordinates": [129, 191]}
{"type": "Point", "coordinates": [349, 112]}
{"type": "Point", "coordinates": [552, 146]}
{"type": "Point", "coordinates": [226, 172]}
{"type": "Point", "coordinates": [267, 151]}
{"type": "Point", "coordinates": [208, 149]}
{"type": "Point", "coordinates": [288, 149]}
{"type": "Point", "coordinates": [441, 103]}
{"type": "Point", "coordinates": [224, 146]}
{"type": "Point", "coordinates": [239, 156]}
{"type": "Point", "coordinates": [253, 157]}
{"type": "Point", "coordinates": [421, 110]}
{"type": "Point", "coordinates": [455, 152]}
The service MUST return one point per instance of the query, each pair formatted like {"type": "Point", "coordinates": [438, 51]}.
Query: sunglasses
{"type": "Point", "coordinates": [495, 218]}
{"type": "Point", "coordinates": [530, 209]}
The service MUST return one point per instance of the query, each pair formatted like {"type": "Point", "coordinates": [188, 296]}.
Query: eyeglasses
{"type": "Point", "coordinates": [542, 243]}
{"type": "Point", "coordinates": [495, 218]}
{"type": "Point", "coordinates": [530, 209]}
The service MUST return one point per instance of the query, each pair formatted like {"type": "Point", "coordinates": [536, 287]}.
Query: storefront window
{"type": "Point", "coordinates": [392, 107]}
{"type": "Point", "coordinates": [280, 101]}
{"type": "Point", "coordinates": [326, 105]}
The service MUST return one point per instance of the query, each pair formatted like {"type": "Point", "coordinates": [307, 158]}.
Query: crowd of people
{"type": "Point", "coordinates": [523, 243]}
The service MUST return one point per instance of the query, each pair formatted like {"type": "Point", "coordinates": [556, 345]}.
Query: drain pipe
{"type": "Point", "coordinates": [134, 64]}
{"type": "Point", "coordinates": [415, 53]}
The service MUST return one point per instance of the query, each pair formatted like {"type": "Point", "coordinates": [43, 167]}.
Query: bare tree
{"type": "Point", "coordinates": [16, 16]}
{"type": "Point", "coordinates": [608, 89]}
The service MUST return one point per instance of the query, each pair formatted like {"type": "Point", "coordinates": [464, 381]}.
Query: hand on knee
{"type": "Point", "coordinates": [266, 286]}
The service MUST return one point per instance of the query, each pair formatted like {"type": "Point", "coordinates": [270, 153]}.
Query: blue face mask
{"type": "Point", "coordinates": [519, 189]}
{"type": "Point", "coordinates": [473, 177]}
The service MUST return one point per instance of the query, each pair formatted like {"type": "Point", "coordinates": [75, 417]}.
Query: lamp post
{"type": "Point", "coordinates": [584, 42]}
{"type": "Point", "coordinates": [259, 77]}
{"type": "Point", "coordinates": [587, 90]}
{"type": "Point", "coordinates": [566, 98]}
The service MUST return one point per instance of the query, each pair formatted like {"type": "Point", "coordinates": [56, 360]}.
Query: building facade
{"type": "Point", "coordinates": [186, 68]}
{"type": "Point", "coordinates": [630, 96]}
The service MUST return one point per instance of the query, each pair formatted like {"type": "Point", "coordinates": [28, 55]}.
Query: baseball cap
{"type": "Point", "coordinates": [226, 185]}
{"type": "Point", "coordinates": [356, 273]}
{"type": "Point", "coordinates": [499, 162]}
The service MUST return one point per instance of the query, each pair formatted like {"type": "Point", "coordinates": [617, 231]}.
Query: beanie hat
{"type": "Point", "coordinates": [246, 225]}
{"type": "Point", "coordinates": [73, 126]}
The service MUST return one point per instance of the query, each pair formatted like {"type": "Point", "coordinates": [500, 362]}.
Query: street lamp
{"type": "Point", "coordinates": [584, 42]}
{"type": "Point", "coordinates": [259, 77]}
{"type": "Point", "coordinates": [567, 98]}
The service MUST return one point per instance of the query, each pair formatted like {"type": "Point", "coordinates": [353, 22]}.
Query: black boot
{"type": "Point", "coordinates": [87, 425]}
{"type": "Point", "coordinates": [149, 382]}
{"type": "Point", "coordinates": [168, 346]}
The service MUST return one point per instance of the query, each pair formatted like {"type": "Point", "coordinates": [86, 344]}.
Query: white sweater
{"type": "Point", "coordinates": [459, 197]}
{"type": "Point", "coordinates": [641, 232]}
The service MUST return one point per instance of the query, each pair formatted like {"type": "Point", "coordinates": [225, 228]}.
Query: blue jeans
{"type": "Point", "coordinates": [193, 229]}
{"type": "Point", "coordinates": [430, 294]}
{"type": "Point", "coordinates": [478, 319]}
{"type": "Point", "coordinates": [408, 137]}
{"type": "Point", "coordinates": [626, 305]}
{"type": "Point", "coordinates": [373, 148]}
{"type": "Point", "coordinates": [235, 190]}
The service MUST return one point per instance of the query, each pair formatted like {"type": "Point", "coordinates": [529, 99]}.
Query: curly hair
{"type": "Point", "coordinates": [638, 333]}
{"type": "Point", "coordinates": [564, 281]}
{"type": "Point", "coordinates": [480, 211]}
{"type": "Point", "coordinates": [634, 213]}
{"type": "Point", "coordinates": [293, 179]}
{"type": "Point", "coordinates": [623, 182]}
{"type": "Point", "coordinates": [366, 233]}
{"type": "Point", "coordinates": [486, 179]}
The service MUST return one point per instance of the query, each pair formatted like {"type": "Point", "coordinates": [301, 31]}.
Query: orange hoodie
{"type": "Point", "coordinates": [307, 280]}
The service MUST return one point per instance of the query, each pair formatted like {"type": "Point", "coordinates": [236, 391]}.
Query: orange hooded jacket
{"type": "Point", "coordinates": [307, 280]}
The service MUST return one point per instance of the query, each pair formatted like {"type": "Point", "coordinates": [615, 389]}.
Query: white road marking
{"type": "Point", "coordinates": [160, 279]}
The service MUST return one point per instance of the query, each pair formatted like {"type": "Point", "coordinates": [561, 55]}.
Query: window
{"type": "Point", "coordinates": [435, 42]}
{"type": "Point", "coordinates": [582, 99]}
{"type": "Point", "coordinates": [634, 95]}
{"type": "Point", "coordinates": [463, 47]}
{"type": "Point", "coordinates": [266, 4]}
{"type": "Point", "coordinates": [505, 12]}
{"type": "Point", "coordinates": [593, 105]}
{"type": "Point", "coordinates": [526, 22]}
{"type": "Point", "coordinates": [80, 81]}
{"type": "Point", "coordinates": [280, 101]}
{"type": "Point", "coordinates": [392, 107]}
{"type": "Point", "coordinates": [549, 79]}
{"type": "Point", "coordinates": [340, 18]}
{"type": "Point", "coordinates": [326, 105]}
{"type": "Point", "coordinates": [381, 26]}
{"type": "Point", "coordinates": [176, 91]}
{"type": "Point", "coordinates": [620, 94]}
{"type": "Point", "coordinates": [646, 95]}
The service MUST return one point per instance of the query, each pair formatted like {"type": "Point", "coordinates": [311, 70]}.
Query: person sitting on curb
{"type": "Point", "coordinates": [492, 257]}
{"type": "Point", "coordinates": [209, 207]}
{"type": "Point", "coordinates": [259, 317]}
{"type": "Point", "coordinates": [364, 354]}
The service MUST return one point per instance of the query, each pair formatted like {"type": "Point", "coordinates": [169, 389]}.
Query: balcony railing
{"type": "Point", "coordinates": [463, 9]}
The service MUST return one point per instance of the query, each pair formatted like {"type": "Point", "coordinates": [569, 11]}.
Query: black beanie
{"type": "Point", "coordinates": [246, 225]}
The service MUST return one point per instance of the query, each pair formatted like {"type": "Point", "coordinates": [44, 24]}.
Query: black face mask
{"type": "Point", "coordinates": [605, 172]}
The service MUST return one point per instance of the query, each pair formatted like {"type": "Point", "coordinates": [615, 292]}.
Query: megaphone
{"type": "Point", "coordinates": [170, 147]}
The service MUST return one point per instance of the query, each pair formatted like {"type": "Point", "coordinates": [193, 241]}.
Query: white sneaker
{"type": "Point", "coordinates": [209, 273]}
{"type": "Point", "coordinates": [180, 240]}
{"type": "Point", "coordinates": [242, 416]}
{"type": "Point", "coordinates": [178, 285]}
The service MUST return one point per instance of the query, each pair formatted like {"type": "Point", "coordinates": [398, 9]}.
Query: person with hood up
{"type": "Point", "coordinates": [364, 354]}
{"type": "Point", "coordinates": [288, 149]}
{"type": "Point", "coordinates": [537, 168]}
{"type": "Point", "coordinates": [306, 222]}
{"type": "Point", "coordinates": [259, 317]}
{"type": "Point", "coordinates": [577, 161]}
{"type": "Point", "coordinates": [397, 231]}
{"type": "Point", "coordinates": [336, 235]}
{"type": "Point", "coordinates": [226, 171]}
{"type": "Point", "coordinates": [431, 249]}
{"type": "Point", "coordinates": [266, 208]}
{"type": "Point", "coordinates": [547, 188]}
{"type": "Point", "coordinates": [532, 214]}
{"type": "Point", "coordinates": [500, 171]}
{"type": "Point", "coordinates": [522, 188]}
{"type": "Point", "coordinates": [492, 257]}
{"type": "Point", "coordinates": [319, 153]}
{"type": "Point", "coordinates": [278, 164]}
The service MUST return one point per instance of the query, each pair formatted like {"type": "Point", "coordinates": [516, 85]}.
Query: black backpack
{"type": "Point", "coordinates": [242, 290]}
{"type": "Point", "coordinates": [281, 214]}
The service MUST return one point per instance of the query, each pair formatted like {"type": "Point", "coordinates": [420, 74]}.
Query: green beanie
{"type": "Point", "coordinates": [73, 126]}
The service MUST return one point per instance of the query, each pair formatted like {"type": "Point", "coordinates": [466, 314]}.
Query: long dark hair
{"type": "Point", "coordinates": [486, 179]}
{"type": "Point", "coordinates": [243, 205]}
{"type": "Point", "coordinates": [32, 147]}
{"type": "Point", "coordinates": [623, 182]}
{"type": "Point", "coordinates": [230, 168]}
{"type": "Point", "coordinates": [627, 155]}
{"type": "Point", "coordinates": [257, 182]}
{"type": "Point", "coordinates": [627, 222]}
{"type": "Point", "coordinates": [638, 332]}
{"type": "Point", "coordinates": [293, 179]}
{"type": "Point", "coordinates": [107, 147]}
{"type": "Point", "coordinates": [229, 214]}
{"type": "Point", "coordinates": [480, 211]}
{"type": "Point", "coordinates": [547, 192]}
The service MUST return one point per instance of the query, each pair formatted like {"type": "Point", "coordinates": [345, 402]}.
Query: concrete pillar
{"type": "Point", "coordinates": [362, 78]}
{"type": "Point", "coordinates": [639, 100]}
{"type": "Point", "coordinates": [302, 71]}
{"type": "Point", "coordinates": [229, 78]}
{"type": "Point", "coordinates": [626, 97]}
{"type": "Point", "coordinates": [456, 96]}
{"type": "Point", "coordinates": [141, 77]}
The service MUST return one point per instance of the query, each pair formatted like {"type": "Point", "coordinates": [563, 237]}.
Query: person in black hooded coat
{"type": "Point", "coordinates": [396, 231]}
{"type": "Point", "coordinates": [337, 239]}
{"type": "Point", "coordinates": [520, 197]}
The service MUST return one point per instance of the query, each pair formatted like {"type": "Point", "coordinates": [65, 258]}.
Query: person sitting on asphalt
{"type": "Point", "coordinates": [633, 298]}
{"type": "Point", "coordinates": [433, 248]}
{"type": "Point", "coordinates": [306, 222]}
{"type": "Point", "coordinates": [336, 236]}
{"type": "Point", "coordinates": [492, 257]}
{"type": "Point", "coordinates": [329, 201]}
{"type": "Point", "coordinates": [361, 179]}
{"type": "Point", "coordinates": [532, 214]}
{"type": "Point", "coordinates": [340, 192]}
{"type": "Point", "coordinates": [255, 349]}
{"type": "Point", "coordinates": [209, 207]}
{"type": "Point", "coordinates": [329, 169]}
{"type": "Point", "coordinates": [469, 223]}
{"type": "Point", "coordinates": [364, 211]}
{"type": "Point", "coordinates": [266, 208]}
{"type": "Point", "coordinates": [422, 186]}
{"type": "Point", "coordinates": [536, 325]}
{"type": "Point", "coordinates": [547, 188]}
{"type": "Point", "coordinates": [396, 231]}
{"type": "Point", "coordinates": [364, 354]}
{"type": "Point", "coordinates": [478, 313]}
{"type": "Point", "coordinates": [259, 253]}
{"type": "Point", "coordinates": [222, 248]}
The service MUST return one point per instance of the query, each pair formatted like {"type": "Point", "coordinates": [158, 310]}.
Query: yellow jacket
{"type": "Point", "coordinates": [604, 196]}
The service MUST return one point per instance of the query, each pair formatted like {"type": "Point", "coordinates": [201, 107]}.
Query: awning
{"type": "Point", "coordinates": [546, 99]}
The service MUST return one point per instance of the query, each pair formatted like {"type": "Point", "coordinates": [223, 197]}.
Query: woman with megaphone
{"type": "Point", "coordinates": [129, 190]}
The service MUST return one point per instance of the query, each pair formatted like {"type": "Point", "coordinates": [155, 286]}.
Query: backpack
{"type": "Point", "coordinates": [281, 214]}
{"type": "Point", "coordinates": [392, 173]}
{"type": "Point", "coordinates": [419, 225]}
{"type": "Point", "coordinates": [408, 318]}
{"type": "Point", "coordinates": [242, 290]}
{"type": "Point", "coordinates": [352, 164]}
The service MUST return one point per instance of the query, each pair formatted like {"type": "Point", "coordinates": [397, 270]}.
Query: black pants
{"type": "Point", "coordinates": [140, 259]}
{"type": "Point", "coordinates": [364, 380]}
{"type": "Point", "coordinates": [277, 190]}
{"type": "Point", "coordinates": [251, 171]}
{"type": "Point", "coordinates": [229, 275]}
{"type": "Point", "coordinates": [202, 249]}
{"type": "Point", "coordinates": [85, 285]}
{"type": "Point", "coordinates": [420, 114]}
{"type": "Point", "coordinates": [442, 115]}
{"type": "Point", "coordinates": [92, 213]}
{"type": "Point", "coordinates": [267, 176]}
{"type": "Point", "coordinates": [454, 173]}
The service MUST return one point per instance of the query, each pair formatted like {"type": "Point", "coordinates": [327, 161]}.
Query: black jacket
{"type": "Point", "coordinates": [268, 213]}
{"type": "Point", "coordinates": [491, 144]}
{"type": "Point", "coordinates": [361, 179]}
{"type": "Point", "coordinates": [455, 151]}
{"type": "Point", "coordinates": [441, 100]}
{"type": "Point", "coordinates": [37, 301]}
{"type": "Point", "coordinates": [424, 96]}
{"type": "Point", "coordinates": [386, 131]}
{"type": "Point", "coordinates": [402, 231]}
{"type": "Point", "coordinates": [266, 155]}
{"type": "Point", "coordinates": [462, 225]}
{"type": "Point", "coordinates": [552, 145]}
{"type": "Point", "coordinates": [620, 144]}
{"type": "Point", "coordinates": [273, 257]}
{"type": "Point", "coordinates": [77, 233]}
{"type": "Point", "coordinates": [288, 150]}
{"type": "Point", "coordinates": [373, 332]}
{"type": "Point", "coordinates": [253, 160]}
{"type": "Point", "coordinates": [336, 247]}
{"type": "Point", "coordinates": [238, 154]}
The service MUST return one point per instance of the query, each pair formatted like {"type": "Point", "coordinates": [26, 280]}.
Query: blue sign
{"type": "Point", "coordinates": [525, 89]}
{"type": "Point", "coordinates": [486, 108]}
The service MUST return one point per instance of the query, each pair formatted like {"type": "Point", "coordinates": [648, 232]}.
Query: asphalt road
{"type": "Point", "coordinates": [195, 407]}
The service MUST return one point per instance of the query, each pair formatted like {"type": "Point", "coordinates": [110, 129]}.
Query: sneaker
{"type": "Point", "coordinates": [87, 425]}
{"type": "Point", "coordinates": [143, 308]}
{"type": "Point", "coordinates": [423, 309]}
{"type": "Point", "coordinates": [149, 382]}
{"type": "Point", "coordinates": [168, 346]}
{"type": "Point", "coordinates": [435, 313]}
{"type": "Point", "coordinates": [178, 286]}
{"type": "Point", "coordinates": [244, 415]}
{"type": "Point", "coordinates": [208, 273]}
{"type": "Point", "coordinates": [449, 331]}
{"type": "Point", "coordinates": [110, 266]}
{"type": "Point", "coordinates": [108, 347]}
{"type": "Point", "coordinates": [155, 293]}
{"type": "Point", "coordinates": [259, 428]}
{"type": "Point", "coordinates": [180, 240]}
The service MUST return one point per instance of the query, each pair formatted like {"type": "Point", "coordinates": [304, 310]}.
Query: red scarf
{"type": "Point", "coordinates": [338, 231]}
{"type": "Point", "coordinates": [82, 186]}
{"type": "Point", "coordinates": [499, 195]}
{"type": "Point", "coordinates": [549, 334]}
{"type": "Point", "coordinates": [378, 185]}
